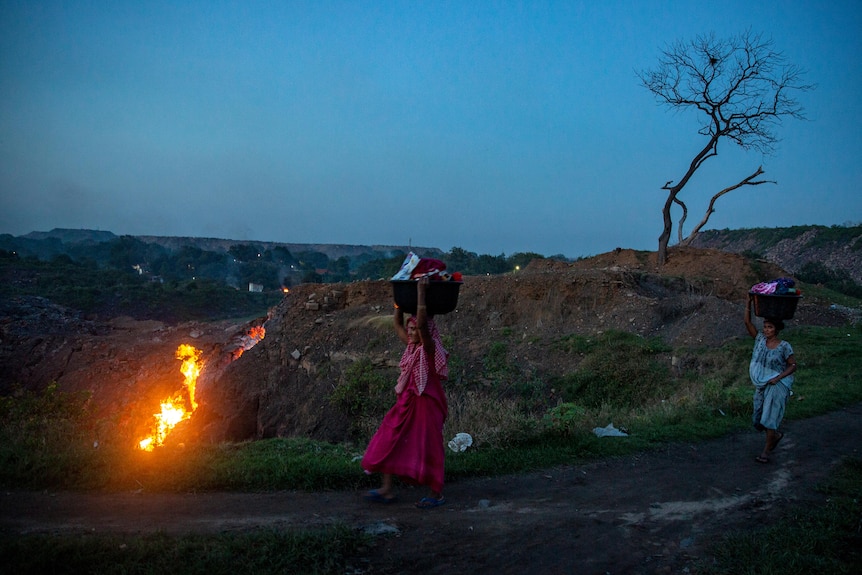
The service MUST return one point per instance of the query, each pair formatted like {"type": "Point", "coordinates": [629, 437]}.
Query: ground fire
{"type": "Point", "coordinates": [248, 341]}
{"type": "Point", "coordinates": [181, 405]}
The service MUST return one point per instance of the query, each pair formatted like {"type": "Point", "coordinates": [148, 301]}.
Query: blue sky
{"type": "Point", "coordinates": [497, 127]}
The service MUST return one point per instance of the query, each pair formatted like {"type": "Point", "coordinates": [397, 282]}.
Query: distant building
{"type": "Point", "coordinates": [255, 287]}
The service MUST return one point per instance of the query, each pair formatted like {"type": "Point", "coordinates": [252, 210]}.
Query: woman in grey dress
{"type": "Point", "coordinates": [771, 370]}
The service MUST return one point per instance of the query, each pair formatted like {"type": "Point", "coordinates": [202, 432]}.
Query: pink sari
{"type": "Point", "coordinates": [409, 442]}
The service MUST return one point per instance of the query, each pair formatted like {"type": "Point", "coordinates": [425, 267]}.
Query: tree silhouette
{"type": "Point", "coordinates": [741, 89]}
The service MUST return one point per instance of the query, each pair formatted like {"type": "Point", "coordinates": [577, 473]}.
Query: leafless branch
{"type": "Point", "coordinates": [682, 218]}
{"type": "Point", "coordinates": [749, 181]}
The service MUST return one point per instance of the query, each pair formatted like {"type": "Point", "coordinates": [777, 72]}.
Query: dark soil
{"type": "Point", "coordinates": [655, 512]}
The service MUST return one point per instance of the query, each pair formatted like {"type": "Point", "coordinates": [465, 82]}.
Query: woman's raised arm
{"type": "Point", "coordinates": [752, 331]}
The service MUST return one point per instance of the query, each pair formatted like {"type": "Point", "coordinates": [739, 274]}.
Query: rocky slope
{"type": "Point", "coordinates": [792, 248]}
{"type": "Point", "coordinates": [281, 385]}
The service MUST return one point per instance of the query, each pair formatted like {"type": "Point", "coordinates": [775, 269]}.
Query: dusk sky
{"type": "Point", "coordinates": [496, 127]}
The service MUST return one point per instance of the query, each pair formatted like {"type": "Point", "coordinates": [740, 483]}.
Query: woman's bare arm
{"type": "Point", "coordinates": [398, 324]}
{"type": "Point", "coordinates": [752, 331]}
{"type": "Point", "coordinates": [422, 318]}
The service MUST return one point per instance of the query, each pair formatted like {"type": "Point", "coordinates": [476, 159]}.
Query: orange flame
{"type": "Point", "coordinates": [191, 358]}
{"type": "Point", "coordinates": [174, 408]}
{"type": "Point", "coordinates": [248, 341]}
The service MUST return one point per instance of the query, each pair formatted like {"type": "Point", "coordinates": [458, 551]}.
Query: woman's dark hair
{"type": "Point", "coordinates": [777, 323]}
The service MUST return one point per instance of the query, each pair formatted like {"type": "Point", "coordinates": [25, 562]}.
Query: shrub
{"type": "Point", "coordinates": [47, 439]}
{"type": "Point", "coordinates": [364, 393]}
{"type": "Point", "coordinates": [564, 419]}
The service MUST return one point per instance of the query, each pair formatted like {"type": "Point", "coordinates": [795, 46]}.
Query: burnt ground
{"type": "Point", "coordinates": [655, 512]}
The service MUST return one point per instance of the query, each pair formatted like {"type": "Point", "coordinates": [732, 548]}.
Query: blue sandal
{"type": "Point", "coordinates": [376, 497]}
{"type": "Point", "coordinates": [430, 502]}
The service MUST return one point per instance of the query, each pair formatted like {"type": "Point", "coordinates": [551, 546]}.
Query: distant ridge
{"type": "Point", "coordinates": [332, 251]}
{"type": "Point", "coordinates": [836, 247]}
{"type": "Point", "coordinates": [68, 236]}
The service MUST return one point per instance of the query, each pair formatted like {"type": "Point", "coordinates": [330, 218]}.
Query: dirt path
{"type": "Point", "coordinates": [649, 513]}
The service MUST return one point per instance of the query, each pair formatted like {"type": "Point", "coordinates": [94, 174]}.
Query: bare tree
{"type": "Point", "coordinates": [741, 89]}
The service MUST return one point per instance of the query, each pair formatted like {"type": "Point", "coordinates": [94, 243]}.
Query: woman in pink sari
{"type": "Point", "coordinates": [409, 442]}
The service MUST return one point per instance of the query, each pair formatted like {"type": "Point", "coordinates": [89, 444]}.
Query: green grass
{"type": "Point", "coordinates": [622, 369]}
{"type": "Point", "coordinates": [275, 464]}
{"type": "Point", "coordinates": [824, 538]}
{"type": "Point", "coordinates": [45, 440]}
{"type": "Point", "coordinates": [326, 551]}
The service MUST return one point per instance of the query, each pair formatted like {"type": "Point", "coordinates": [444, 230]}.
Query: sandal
{"type": "Point", "coordinates": [375, 496]}
{"type": "Point", "coordinates": [430, 502]}
{"type": "Point", "coordinates": [761, 459]}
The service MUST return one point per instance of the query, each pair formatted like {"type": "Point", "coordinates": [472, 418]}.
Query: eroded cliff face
{"type": "Point", "coordinates": [792, 253]}
{"type": "Point", "coordinates": [281, 385]}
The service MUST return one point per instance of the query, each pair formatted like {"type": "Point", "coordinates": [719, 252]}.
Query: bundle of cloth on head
{"type": "Point", "coordinates": [415, 267]}
{"type": "Point", "coordinates": [428, 267]}
{"type": "Point", "coordinates": [780, 286]}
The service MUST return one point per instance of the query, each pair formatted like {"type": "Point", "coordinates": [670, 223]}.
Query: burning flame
{"type": "Point", "coordinates": [174, 408]}
{"type": "Point", "coordinates": [191, 358]}
{"type": "Point", "coordinates": [257, 333]}
{"type": "Point", "coordinates": [248, 341]}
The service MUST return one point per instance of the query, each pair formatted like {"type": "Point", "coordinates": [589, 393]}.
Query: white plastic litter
{"type": "Point", "coordinates": [460, 442]}
{"type": "Point", "coordinates": [609, 431]}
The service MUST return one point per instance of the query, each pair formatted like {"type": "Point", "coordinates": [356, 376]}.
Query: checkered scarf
{"type": "Point", "coordinates": [414, 361]}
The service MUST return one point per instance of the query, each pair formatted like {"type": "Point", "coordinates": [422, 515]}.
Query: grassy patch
{"type": "Point", "coordinates": [823, 538]}
{"type": "Point", "coordinates": [274, 464]}
{"type": "Point", "coordinates": [46, 440]}
{"type": "Point", "coordinates": [622, 370]}
{"type": "Point", "coordinates": [327, 550]}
